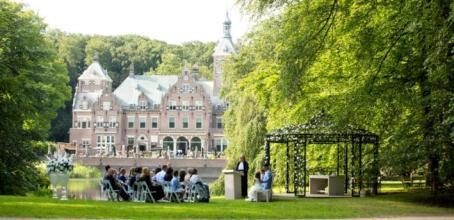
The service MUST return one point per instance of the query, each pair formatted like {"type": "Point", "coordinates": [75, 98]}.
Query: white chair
{"type": "Point", "coordinates": [144, 191]}
{"type": "Point", "coordinates": [169, 193]}
{"type": "Point", "coordinates": [190, 192]}
{"type": "Point", "coordinates": [109, 192]}
{"type": "Point", "coordinates": [263, 195]}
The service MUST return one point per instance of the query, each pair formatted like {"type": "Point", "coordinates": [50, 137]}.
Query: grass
{"type": "Point", "coordinates": [396, 204]}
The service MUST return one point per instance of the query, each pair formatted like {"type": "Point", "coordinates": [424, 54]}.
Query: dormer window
{"type": "Point", "coordinates": [172, 105]}
{"type": "Point", "coordinates": [84, 105]}
{"type": "Point", "coordinates": [198, 105]}
{"type": "Point", "coordinates": [106, 106]}
{"type": "Point", "coordinates": [185, 105]}
{"type": "Point", "coordinates": [143, 105]}
{"type": "Point", "coordinates": [99, 121]}
{"type": "Point", "coordinates": [186, 88]}
{"type": "Point", "coordinates": [113, 122]}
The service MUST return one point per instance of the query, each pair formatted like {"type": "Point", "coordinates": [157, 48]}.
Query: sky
{"type": "Point", "coordinates": [173, 21]}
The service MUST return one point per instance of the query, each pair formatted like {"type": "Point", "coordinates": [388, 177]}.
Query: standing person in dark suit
{"type": "Point", "coordinates": [243, 166]}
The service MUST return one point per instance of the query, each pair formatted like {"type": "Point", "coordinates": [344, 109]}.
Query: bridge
{"type": "Point", "coordinates": [209, 169]}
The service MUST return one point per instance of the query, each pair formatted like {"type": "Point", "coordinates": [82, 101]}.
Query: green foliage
{"type": "Point", "coordinates": [42, 192]}
{"type": "Point", "coordinates": [81, 171]}
{"type": "Point", "coordinates": [194, 52]}
{"type": "Point", "coordinates": [384, 66]}
{"type": "Point", "coordinates": [33, 85]}
{"type": "Point", "coordinates": [42, 183]}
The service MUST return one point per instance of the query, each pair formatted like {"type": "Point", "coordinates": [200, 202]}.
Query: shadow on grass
{"type": "Point", "coordinates": [422, 197]}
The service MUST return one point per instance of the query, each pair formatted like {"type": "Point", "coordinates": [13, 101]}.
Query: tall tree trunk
{"type": "Point", "coordinates": [429, 134]}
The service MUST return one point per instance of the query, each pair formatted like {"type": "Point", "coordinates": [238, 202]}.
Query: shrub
{"type": "Point", "coordinates": [81, 171]}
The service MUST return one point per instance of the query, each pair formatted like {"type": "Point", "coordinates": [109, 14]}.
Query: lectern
{"type": "Point", "coordinates": [232, 184]}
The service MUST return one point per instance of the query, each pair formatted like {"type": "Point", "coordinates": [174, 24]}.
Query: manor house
{"type": "Point", "coordinates": [164, 115]}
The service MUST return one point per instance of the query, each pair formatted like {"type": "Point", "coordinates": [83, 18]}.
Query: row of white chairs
{"type": "Point", "coordinates": [142, 192]}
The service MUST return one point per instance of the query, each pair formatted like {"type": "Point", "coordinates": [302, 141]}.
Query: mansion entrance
{"type": "Point", "coordinates": [182, 146]}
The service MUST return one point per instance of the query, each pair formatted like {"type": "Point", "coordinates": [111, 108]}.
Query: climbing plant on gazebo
{"type": "Point", "coordinates": [353, 145]}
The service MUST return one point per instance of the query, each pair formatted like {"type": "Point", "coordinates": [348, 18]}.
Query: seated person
{"type": "Point", "coordinates": [161, 174]}
{"type": "Point", "coordinates": [267, 178]}
{"type": "Point", "coordinates": [257, 187]}
{"type": "Point", "coordinates": [116, 185]}
{"type": "Point", "coordinates": [194, 177]}
{"type": "Point", "coordinates": [169, 175]}
{"type": "Point", "coordinates": [156, 190]}
{"type": "Point", "coordinates": [132, 178]}
{"type": "Point", "coordinates": [176, 186]}
{"type": "Point", "coordinates": [122, 176]}
{"type": "Point", "coordinates": [107, 167]}
{"type": "Point", "coordinates": [156, 171]}
{"type": "Point", "coordinates": [138, 172]}
{"type": "Point", "coordinates": [188, 175]}
{"type": "Point", "coordinates": [181, 177]}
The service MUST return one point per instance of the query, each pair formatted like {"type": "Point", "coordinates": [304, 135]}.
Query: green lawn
{"type": "Point", "coordinates": [399, 204]}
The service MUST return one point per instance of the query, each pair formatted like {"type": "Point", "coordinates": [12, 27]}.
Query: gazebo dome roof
{"type": "Point", "coordinates": [319, 127]}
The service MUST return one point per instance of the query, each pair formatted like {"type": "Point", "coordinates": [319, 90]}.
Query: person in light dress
{"type": "Point", "coordinates": [256, 187]}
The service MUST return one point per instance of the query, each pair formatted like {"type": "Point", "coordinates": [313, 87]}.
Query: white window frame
{"type": "Point", "coordinates": [142, 119]}
{"type": "Point", "coordinates": [131, 119]}
{"type": "Point", "coordinates": [143, 104]}
{"type": "Point", "coordinates": [197, 121]}
{"type": "Point", "coordinates": [198, 105]}
{"type": "Point", "coordinates": [157, 122]}
{"type": "Point", "coordinates": [183, 121]}
{"type": "Point", "coordinates": [99, 121]}
{"type": "Point", "coordinates": [133, 140]}
{"type": "Point", "coordinates": [172, 105]}
{"type": "Point", "coordinates": [113, 121]}
{"type": "Point", "coordinates": [85, 143]}
{"type": "Point", "coordinates": [105, 141]}
{"type": "Point", "coordinates": [217, 123]}
{"type": "Point", "coordinates": [174, 122]}
{"type": "Point", "coordinates": [185, 105]}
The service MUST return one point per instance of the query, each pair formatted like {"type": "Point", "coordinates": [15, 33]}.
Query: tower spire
{"type": "Point", "coordinates": [223, 49]}
{"type": "Point", "coordinates": [131, 69]}
{"type": "Point", "coordinates": [96, 57]}
{"type": "Point", "coordinates": [227, 26]}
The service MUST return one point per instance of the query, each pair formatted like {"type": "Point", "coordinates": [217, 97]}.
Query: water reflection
{"type": "Point", "coordinates": [89, 189]}
{"type": "Point", "coordinates": [86, 189]}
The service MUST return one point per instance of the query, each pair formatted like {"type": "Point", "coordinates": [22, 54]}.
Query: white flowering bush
{"type": "Point", "coordinates": [60, 164]}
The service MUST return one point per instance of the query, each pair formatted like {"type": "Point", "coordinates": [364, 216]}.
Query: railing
{"type": "Point", "coordinates": [91, 152]}
{"type": "Point", "coordinates": [134, 108]}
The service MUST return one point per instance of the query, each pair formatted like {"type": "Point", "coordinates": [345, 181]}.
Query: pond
{"type": "Point", "coordinates": [86, 189]}
{"type": "Point", "coordinates": [89, 189]}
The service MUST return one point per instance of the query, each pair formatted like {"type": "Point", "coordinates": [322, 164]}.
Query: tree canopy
{"type": "Point", "coordinates": [386, 66]}
{"type": "Point", "coordinates": [33, 85]}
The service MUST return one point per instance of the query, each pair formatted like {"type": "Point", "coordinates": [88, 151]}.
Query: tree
{"type": "Point", "coordinates": [33, 85]}
{"type": "Point", "coordinates": [384, 66]}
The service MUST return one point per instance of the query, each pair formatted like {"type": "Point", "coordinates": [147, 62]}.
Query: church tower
{"type": "Point", "coordinates": [223, 49]}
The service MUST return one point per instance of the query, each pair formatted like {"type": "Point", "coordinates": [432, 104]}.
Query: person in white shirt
{"type": "Point", "coordinates": [194, 177]}
{"type": "Point", "coordinates": [161, 174]}
{"type": "Point", "coordinates": [243, 167]}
